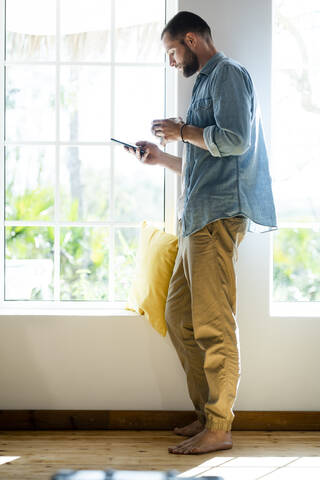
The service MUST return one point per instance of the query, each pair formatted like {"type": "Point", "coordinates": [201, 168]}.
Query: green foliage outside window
{"type": "Point", "coordinates": [296, 275]}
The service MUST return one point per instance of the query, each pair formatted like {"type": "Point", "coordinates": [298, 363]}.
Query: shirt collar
{"type": "Point", "coordinates": [211, 63]}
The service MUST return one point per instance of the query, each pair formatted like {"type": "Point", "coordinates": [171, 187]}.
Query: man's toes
{"type": "Point", "coordinates": [187, 443]}
{"type": "Point", "coordinates": [182, 449]}
{"type": "Point", "coordinates": [178, 451]}
{"type": "Point", "coordinates": [184, 443]}
{"type": "Point", "coordinates": [172, 449]}
{"type": "Point", "coordinates": [190, 450]}
{"type": "Point", "coordinates": [185, 450]}
{"type": "Point", "coordinates": [194, 450]}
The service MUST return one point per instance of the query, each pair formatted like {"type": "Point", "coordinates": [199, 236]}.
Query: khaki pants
{"type": "Point", "coordinates": [200, 314]}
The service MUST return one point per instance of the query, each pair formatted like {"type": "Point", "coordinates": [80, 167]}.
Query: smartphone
{"type": "Point", "coordinates": [129, 145]}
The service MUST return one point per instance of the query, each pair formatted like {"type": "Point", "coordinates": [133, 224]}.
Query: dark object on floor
{"type": "Point", "coordinates": [121, 475]}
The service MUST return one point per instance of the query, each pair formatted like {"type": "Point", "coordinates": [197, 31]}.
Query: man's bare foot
{"type": "Point", "coordinates": [204, 442]}
{"type": "Point", "coordinates": [189, 430]}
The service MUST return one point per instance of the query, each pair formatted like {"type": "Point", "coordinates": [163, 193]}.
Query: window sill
{"type": "Point", "coordinates": [72, 309]}
{"type": "Point", "coordinates": [295, 309]}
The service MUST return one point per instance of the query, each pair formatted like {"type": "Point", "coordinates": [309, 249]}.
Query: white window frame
{"type": "Point", "coordinates": [76, 308]}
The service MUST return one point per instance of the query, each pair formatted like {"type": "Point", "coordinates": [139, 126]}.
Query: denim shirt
{"type": "Point", "coordinates": [232, 177]}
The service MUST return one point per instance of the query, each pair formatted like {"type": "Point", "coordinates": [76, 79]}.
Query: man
{"type": "Point", "coordinates": [226, 192]}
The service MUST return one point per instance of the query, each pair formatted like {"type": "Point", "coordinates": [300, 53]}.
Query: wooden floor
{"type": "Point", "coordinates": [255, 455]}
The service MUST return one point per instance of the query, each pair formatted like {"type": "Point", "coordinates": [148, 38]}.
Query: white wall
{"type": "Point", "coordinates": [87, 363]}
{"type": "Point", "coordinates": [120, 362]}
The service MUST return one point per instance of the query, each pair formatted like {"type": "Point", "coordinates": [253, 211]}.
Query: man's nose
{"type": "Point", "coordinates": [172, 61]}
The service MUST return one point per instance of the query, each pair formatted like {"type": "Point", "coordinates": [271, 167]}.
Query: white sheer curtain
{"type": "Point", "coordinates": [85, 30]}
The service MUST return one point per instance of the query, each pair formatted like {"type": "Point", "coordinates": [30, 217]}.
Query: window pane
{"type": "Point", "coordinates": [296, 24]}
{"type": "Point", "coordinates": [138, 31]}
{"type": "Point", "coordinates": [85, 28]}
{"type": "Point", "coordinates": [138, 101]}
{"type": "Point", "coordinates": [94, 183]}
{"type": "Point", "coordinates": [30, 94]}
{"type": "Point", "coordinates": [296, 146]}
{"type": "Point", "coordinates": [85, 104]}
{"type": "Point", "coordinates": [31, 29]}
{"type": "Point", "coordinates": [29, 263]}
{"type": "Point", "coordinates": [30, 174]}
{"type": "Point", "coordinates": [85, 183]}
{"type": "Point", "coordinates": [296, 265]}
{"type": "Point", "coordinates": [295, 149]}
{"type": "Point", "coordinates": [296, 110]}
{"type": "Point", "coordinates": [138, 189]}
{"type": "Point", "coordinates": [126, 244]}
{"type": "Point", "coordinates": [84, 263]}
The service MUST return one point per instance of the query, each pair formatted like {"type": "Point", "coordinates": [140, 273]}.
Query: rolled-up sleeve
{"type": "Point", "coordinates": [233, 103]}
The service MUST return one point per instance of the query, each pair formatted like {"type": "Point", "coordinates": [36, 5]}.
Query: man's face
{"type": "Point", "coordinates": [180, 55]}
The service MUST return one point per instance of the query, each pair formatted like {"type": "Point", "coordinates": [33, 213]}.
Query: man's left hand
{"type": "Point", "coordinates": [168, 129]}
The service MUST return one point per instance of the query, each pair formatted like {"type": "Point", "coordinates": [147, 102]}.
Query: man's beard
{"type": "Point", "coordinates": [190, 62]}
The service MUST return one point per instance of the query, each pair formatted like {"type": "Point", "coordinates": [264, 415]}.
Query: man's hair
{"type": "Point", "coordinates": [184, 22]}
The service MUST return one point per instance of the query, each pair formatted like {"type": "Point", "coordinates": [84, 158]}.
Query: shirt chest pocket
{"type": "Point", "coordinates": [201, 112]}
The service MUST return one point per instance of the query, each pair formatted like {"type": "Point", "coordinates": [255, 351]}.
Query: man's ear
{"type": "Point", "coordinates": [191, 40]}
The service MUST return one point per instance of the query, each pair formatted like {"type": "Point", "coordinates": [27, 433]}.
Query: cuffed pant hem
{"type": "Point", "coordinates": [213, 424]}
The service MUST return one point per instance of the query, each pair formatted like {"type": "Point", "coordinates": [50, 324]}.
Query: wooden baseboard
{"type": "Point", "coordinates": [277, 420]}
{"type": "Point", "coordinates": [150, 420]}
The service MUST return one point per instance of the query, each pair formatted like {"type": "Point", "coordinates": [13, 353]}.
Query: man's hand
{"type": "Point", "coordinates": [152, 154]}
{"type": "Point", "coordinates": [168, 129]}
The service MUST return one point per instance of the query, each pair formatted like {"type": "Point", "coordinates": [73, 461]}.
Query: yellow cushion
{"type": "Point", "coordinates": [155, 261]}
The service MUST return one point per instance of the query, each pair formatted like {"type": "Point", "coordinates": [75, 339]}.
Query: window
{"type": "Point", "coordinates": [74, 74]}
{"type": "Point", "coordinates": [296, 150]}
